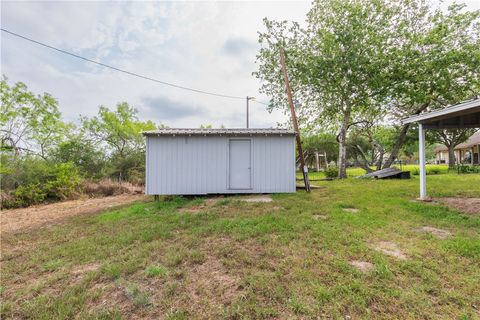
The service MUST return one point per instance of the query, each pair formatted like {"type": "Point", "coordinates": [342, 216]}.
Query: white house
{"type": "Point", "coordinates": [467, 152]}
{"type": "Point", "coordinates": [219, 161]}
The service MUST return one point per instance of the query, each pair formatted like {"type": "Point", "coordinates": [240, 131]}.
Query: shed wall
{"type": "Point", "coordinates": [199, 165]}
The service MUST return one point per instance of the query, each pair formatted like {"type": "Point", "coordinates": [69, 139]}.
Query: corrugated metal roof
{"type": "Point", "coordinates": [466, 105]}
{"type": "Point", "coordinates": [215, 132]}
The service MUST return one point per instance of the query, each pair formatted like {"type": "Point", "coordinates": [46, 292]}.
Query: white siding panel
{"type": "Point", "coordinates": [199, 165]}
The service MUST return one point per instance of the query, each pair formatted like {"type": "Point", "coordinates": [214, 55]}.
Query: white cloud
{"type": "Point", "coordinates": [204, 45]}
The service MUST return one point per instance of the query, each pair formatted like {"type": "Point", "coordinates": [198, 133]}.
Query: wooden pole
{"type": "Point", "coordinates": [318, 161]}
{"type": "Point", "coordinates": [294, 121]}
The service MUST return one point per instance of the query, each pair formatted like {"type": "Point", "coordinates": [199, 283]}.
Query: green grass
{"type": "Point", "coordinates": [414, 170]}
{"type": "Point", "coordinates": [254, 260]}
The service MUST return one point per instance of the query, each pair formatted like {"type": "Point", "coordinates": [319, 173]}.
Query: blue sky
{"type": "Point", "coordinates": [204, 45]}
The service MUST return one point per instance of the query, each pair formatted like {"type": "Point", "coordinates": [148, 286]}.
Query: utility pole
{"type": "Point", "coordinates": [294, 121]}
{"type": "Point", "coordinates": [248, 99]}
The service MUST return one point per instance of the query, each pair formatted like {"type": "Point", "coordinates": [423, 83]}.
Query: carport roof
{"type": "Point", "coordinates": [217, 132]}
{"type": "Point", "coordinates": [462, 115]}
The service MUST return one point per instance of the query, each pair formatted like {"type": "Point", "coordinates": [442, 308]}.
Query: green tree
{"type": "Point", "coordinates": [451, 138]}
{"type": "Point", "coordinates": [337, 63]}
{"type": "Point", "coordinates": [120, 132]}
{"type": "Point", "coordinates": [83, 153]}
{"type": "Point", "coordinates": [436, 63]}
{"type": "Point", "coordinates": [372, 59]}
{"type": "Point", "coordinates": [29, 123]}
{"type": "Point", "coordinates": [323, 143]}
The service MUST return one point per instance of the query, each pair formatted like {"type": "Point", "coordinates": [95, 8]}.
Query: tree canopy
{"type": "Point", "coordinates": [372, 60]}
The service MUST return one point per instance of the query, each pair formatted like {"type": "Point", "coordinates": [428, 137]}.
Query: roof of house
{"type": "Point", "coordinates": [218, 132]}
{"type": "Point", "coordinates": [472, 141]}
{"type": "Point", "coordinates": [462, 115]}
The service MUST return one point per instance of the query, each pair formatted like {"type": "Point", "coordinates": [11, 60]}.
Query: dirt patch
{"type": "Point", "coordinates": [466, 205]}
{"type": "Point", "coordinates": [439, 233]}
{"type": "Point", "coordinates": [113, 296]}
{"type": "Point", "coordinates": [210, 202]}
{"type": "Point", "coordinates": [319, 217]}
{"type": "Point", "coordinates": [261, 198]}
{"type": "Point", "coordinates": [351, 210]}
{"type": "Point", "coordinates": [212, 282]}
{"type": "Point", "coordinates": [362, 266]}
{"type": "Point", "coordinates": [390, 248]}
{"type": "Point", "coordinates": [37, 216]}
{"type": "Point", "coordinates": [80, 270]}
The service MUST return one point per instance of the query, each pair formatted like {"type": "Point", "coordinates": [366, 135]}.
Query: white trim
{"type": "Point", "coordinates": [438, 113]}
{"type": "Point", "coordinates": [421, 156]}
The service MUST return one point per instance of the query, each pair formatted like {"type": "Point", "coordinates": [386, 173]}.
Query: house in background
{"type": "Point", "coordinates": [466, 153]}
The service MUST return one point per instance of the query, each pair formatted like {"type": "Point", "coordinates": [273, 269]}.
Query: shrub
{"type": "Point", "coordinates": [331, 172]}
{"type": "Point", "coordinates": [41, 182]}
{"type": "Point", "coordinates": [433, 170]}
{"type": "Point", "coordinates": [109, 187]}
{"type": "Point", "coordinates": [465, 168]}
{"type": "Point", "coordinates": [7, 199]}
{"type": "Point", "coordinates": [63, 181]}
{"type": "Point", "coordinates": [29, 194]}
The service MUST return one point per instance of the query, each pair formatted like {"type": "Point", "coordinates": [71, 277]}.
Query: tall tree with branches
{"type": "Point", "coordinates": [372, 59]}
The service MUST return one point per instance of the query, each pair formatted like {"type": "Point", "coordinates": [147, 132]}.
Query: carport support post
{"type": "Point", "coordinates": [421, 156]}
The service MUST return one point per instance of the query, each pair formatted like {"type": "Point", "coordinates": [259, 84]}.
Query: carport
{"type": "Point", "coordinates": [459, 116]}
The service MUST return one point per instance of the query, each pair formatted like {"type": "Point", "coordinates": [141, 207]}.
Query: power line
{"type": "Point", "coordinates": [122, 70]}
{"type": "Point", "coordinates": [264, 103]}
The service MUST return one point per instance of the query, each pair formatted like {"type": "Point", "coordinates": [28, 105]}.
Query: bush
{"type": "Point", "coordinates": [109, 187]}
{"type": "Point", "coordinates": [434, 170]}
{"type": "Point", "coordinates": [331, 172]}
{"type": "Point", "coordinates": [29, 194]}
{"type": "Point", "coordinates": [465, 168]}
{"type": "Point", "coordinates": [63, 181]}
{"type": "Point", "coordinates": [40, 182]}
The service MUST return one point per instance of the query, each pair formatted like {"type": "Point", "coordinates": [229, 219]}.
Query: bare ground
{"type": "Point", "coordinates": [466, 205]}
{"type": "Point", "coordinates": [438, 233]}
{"type": "Point", "coordinates": [363, 266]}
{"type": "Point", "coordinates": [391, 249]}
{"type": "Point", "coordinates": [37, 216]}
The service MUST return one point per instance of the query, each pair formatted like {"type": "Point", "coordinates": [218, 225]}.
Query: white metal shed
{"type": "Point", "coordinates": [220, 161]}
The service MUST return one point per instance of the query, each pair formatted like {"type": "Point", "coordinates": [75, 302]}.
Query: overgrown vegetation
{"type": "Point", "coordinates": [44, 158]}
{"type": "Point", "coordinates": [286, 259]}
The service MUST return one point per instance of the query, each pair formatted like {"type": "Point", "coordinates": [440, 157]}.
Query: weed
{"type": "Point", "coordinates": [156, 271]}
{"type": "Point", "coordinates": [53, 265]}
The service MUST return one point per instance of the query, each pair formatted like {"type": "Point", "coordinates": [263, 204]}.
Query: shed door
{"type": "Point", "coordinates": [240, 164]}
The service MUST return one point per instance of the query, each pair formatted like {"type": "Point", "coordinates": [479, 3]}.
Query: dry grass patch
{"type": "Point", "coordinates": [203, 205]}
{"type": "Point", "coordinates": [438, 233]}
{"type": "Point", "coordinates": [259, 198]}
{"type": "Point", "coordinates": [362, 266]}
{"type": "Point", "coordinates": [465, 205]}
{"type": "Point", "coordinates": [390, 248]}
{"type": "Point", "coordinates": [211, 284]}
{"type": "Point", "coordinates": [22, 219]}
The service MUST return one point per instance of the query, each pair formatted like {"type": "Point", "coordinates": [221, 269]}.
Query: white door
{"type": "Point", "coordinates": [240, 164]}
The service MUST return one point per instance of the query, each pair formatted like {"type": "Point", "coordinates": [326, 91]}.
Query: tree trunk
{"type": "Point", "coordinates": [451, 156]}
{"type": "Point", "coordinates": [397, 146]}
{"type": "Point", "coordinates": [342, 150]}
{"type": "Point", "coordinates": [401, 137]}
